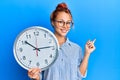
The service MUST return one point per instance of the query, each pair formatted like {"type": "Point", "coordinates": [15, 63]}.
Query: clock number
{"type": "Point", "coordinates": [24, 58]}
{"type": "Point", "coordinates": [53, 48]}
{"type": "Point", "coordinates": [51, 56]}
{"type": "Point", "coordinates": [36, 33]}
{"type": "Point", "coordinates": [38, 64]}
{"type": "Point", "coordinates": [29, 62]}
{"type": "Point", "coordinates": [45, 35]}
{"type": "Point", "coordinates": [49, 41]}
{"type": "Point", "coordinates": [46, 61]}
{"type": "Point", "coordinates": [23, 42]}
{"type": "Point", "coordinates": [28, 36]}
{"type": "Point", "coordinates": [20, 49]}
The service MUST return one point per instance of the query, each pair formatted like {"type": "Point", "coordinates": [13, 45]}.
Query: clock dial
{"type": "Point", "coordinates": [36, 47]}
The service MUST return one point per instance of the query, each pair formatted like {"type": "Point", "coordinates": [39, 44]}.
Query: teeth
{"type": "Point", "coordinates": [64, 31]}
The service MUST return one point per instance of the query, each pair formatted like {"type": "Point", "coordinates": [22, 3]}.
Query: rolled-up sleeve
{"type": "Point", "coordinates": [80, 57]}
{"type": "Point", "coordinates": [79, 75]}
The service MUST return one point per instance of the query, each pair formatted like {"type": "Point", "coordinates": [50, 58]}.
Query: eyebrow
{"type": "Point", "coordinates": [63, 20]}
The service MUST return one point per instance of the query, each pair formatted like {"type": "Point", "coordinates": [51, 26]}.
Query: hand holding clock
{"type": "Point", "coordinates": [34, 73]}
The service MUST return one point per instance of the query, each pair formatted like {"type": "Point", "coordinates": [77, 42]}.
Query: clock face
{"type": "Point", "coordinates": [36, 47]}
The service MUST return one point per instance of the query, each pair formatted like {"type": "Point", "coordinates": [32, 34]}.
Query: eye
{"type": "Point", "coordinates": [60, 22]}
{"type": "Point", "coordinates": [68, 23]}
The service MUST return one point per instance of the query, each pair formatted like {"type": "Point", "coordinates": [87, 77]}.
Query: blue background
{"type": "Point", "coordinates": [98, 19]}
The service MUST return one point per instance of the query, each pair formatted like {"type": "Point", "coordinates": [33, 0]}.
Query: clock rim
{"type": "Point", "coordinates": [34, 27]}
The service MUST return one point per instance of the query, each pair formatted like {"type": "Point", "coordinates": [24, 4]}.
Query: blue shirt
{"type": "Point", "coordinates": [66, 67]}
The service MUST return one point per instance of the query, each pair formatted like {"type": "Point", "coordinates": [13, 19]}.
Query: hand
{"type": "Point", "coordinates": [89, 47]}
{"type": "Point", "coordinates": [32, 46]}
{"type": "Point", "coordinates": [34, 73]}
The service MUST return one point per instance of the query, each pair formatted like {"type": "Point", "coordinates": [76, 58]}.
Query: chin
{"type": "Point", "coordinates": [63, 34]}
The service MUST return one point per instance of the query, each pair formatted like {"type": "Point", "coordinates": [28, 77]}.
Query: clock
{"type": "Point", "coordinates": [36, 47]}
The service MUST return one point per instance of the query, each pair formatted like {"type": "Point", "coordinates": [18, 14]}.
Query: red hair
{"type": "Point", "coordinates": [62, 7]}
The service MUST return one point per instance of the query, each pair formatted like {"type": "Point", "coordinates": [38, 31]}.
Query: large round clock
{"type": "Point", "coordinates": [36, 47]}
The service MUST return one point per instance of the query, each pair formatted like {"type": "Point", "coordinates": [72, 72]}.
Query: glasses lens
{"type": "Point", "coordinates": [62, 23]}
{"type": "Point", "coordinates": [69, 24]}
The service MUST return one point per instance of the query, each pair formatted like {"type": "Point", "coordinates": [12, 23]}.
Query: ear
{"type": "Point", "coordinates": [52, 23]}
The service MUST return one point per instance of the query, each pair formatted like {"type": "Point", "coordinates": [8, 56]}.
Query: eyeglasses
{"type": "Point", "coordinates": [61, 23]}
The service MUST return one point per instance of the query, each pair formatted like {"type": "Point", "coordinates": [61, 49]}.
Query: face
{"type": "Point", "coordinates": [62, 24]}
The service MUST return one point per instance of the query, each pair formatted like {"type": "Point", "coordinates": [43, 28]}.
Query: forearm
{"type": "Point", "coordinates": [84, 64]}
{"type": "Point", "coordinates": [89, 48]}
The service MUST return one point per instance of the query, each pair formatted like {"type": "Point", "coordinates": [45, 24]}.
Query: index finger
{"type": "Point", "coordinates": [30, 70]}
{"type": "Point", "coordinates": [94, 40]}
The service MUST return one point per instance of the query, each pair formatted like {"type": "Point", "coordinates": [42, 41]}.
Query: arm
{"type": "Point", "coordinates": [89, 48]}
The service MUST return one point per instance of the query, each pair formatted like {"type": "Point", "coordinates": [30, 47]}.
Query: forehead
{"type": "Point", "coordinates": [63, 16]}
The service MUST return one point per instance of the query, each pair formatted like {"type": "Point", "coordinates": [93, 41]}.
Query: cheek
{"type": "Point", "coordinates": [55, 28]}
{"type": "Point", "coordinates": [68, 29]}
{"type": "Point", "coordinates": [58, 29]}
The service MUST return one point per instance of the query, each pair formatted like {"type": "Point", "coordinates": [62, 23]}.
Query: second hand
{"type": "Point", "coordinates": [36, 47]}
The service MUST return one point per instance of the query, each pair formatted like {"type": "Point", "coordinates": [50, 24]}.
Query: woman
{"type": "Point", "coordinates": [70, 65]}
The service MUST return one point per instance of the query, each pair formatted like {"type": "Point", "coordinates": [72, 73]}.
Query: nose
{"type": "Point", "coordinates": [65, 25]}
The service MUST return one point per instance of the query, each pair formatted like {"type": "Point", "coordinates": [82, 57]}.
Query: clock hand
{"type": "Point", "coordinates": [36, 46]}
{"type": "Point", "coordinates": [32, 46]}
{"type": "Point", "coordinates": [44, 47]}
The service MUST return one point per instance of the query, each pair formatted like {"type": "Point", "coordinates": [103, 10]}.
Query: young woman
{"type": "Point", "coordinates": [70, 65]}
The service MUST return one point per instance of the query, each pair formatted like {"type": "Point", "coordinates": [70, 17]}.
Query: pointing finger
{"type": "Point", "coordinates": [94, 41]}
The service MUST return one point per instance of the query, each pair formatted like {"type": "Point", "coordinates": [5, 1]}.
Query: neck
{"type": "Point", "coordinates": [61, 39]}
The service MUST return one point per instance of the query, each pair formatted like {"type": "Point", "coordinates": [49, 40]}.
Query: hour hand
{"type": "Point", "coordinates": [32, 45]}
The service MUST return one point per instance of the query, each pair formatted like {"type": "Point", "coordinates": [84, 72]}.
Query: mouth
{"type": "Point", "coordinates": [64, 30]}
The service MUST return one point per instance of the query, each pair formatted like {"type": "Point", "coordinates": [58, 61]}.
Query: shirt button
{"type": "Point", "coordinates": [61, 59]}
{"type": "Point", "coordinates": [60, 48]}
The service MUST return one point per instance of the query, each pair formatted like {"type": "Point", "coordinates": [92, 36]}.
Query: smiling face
{"type": "Point", "coordinates": [62, 24]}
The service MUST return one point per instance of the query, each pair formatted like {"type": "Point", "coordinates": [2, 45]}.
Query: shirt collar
{"type": "Point", "coordinates": [67, 42]}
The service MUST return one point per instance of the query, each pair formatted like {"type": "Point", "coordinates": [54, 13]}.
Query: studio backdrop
{"type": "Point", "coordinates": [98, 19]}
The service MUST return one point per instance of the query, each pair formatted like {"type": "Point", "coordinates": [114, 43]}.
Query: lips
{"type": "Point", "coordinates": [64, 31]}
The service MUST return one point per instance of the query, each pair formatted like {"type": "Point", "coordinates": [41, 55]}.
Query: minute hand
{"type": "Point", "coordinates": [45, 47]}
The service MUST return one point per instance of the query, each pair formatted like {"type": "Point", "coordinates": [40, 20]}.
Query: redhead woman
{"type": "Point", "coordinates": [70, 64]}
